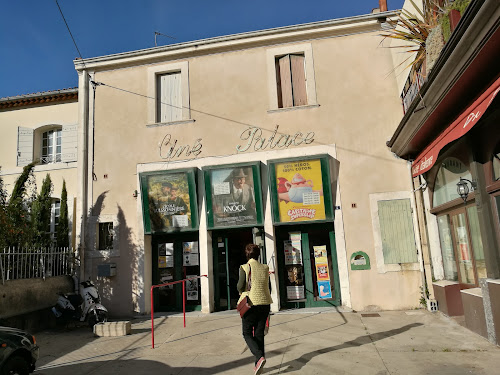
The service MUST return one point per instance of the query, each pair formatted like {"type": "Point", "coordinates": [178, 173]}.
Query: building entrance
{"type": "Point", "coordinates": [176, 257]}
{"type": "Point", "coordinates": [307, 265]}
{"type": "Point", "coordinates": [229, 254]}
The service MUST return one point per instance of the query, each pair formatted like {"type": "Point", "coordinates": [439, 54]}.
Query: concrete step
{"type": "Point", "coordinates": [110, 329]}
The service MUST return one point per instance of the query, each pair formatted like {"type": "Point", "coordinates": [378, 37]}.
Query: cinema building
{"type": "Point", "coordinates": [277, 137]}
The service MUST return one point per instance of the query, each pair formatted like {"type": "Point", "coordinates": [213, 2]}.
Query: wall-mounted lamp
{"type": "Point", "coordinates": [463, 188]}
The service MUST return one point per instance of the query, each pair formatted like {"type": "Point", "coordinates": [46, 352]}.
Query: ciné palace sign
{"type": "Point", "coordinates": [253, 141]}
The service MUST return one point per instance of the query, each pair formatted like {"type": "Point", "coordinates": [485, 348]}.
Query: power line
{"type": "Point", "coordinates": [67, 26]}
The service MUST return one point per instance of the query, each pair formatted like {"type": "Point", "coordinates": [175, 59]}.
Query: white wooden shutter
{"type": "Point", "coordinates": [286, 81]}
{"type": "Point", "coordinates": [24, 146]}
{"type": "Point", "coordinates": [170, 97]}
{"type": "Point", "coordinates": [298, 80]}
{"type": "Point", "coordinates": [69, 143]}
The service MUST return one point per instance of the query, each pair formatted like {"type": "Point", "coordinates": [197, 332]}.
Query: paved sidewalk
{"type": "Point", "coordinates": [303, 342]}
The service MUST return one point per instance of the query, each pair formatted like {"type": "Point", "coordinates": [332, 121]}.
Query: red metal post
{"type": "Point", "coordinates": [152, 321]}
{"type": "Point", "coordinates": [184, 301]}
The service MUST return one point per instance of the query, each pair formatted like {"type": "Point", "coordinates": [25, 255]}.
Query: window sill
{"type": "Point", "coordinates": [55, 166]}
{"type": "Point", "coordinates": [158, 124]}
{"type": "Point", "coordinates": [292, 108]}
{"type": "Point", "coordinates": [398, 267]}
{"type": "Point", "coordinates": [103, 253]}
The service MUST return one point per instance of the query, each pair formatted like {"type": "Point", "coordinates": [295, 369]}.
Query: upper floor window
{"type": "Point", "coordinates": [47, 144]}
{"type": "Point", "coordinates": [291, 80]}
{"type": "Point", "coordinates": [51, 146]}
{"type": "Point", "coordinates": [169, 85]}
{"type": "Point", "coordinates": [449, 174]}
{"type": "Point", "coordinates": [169, 97]}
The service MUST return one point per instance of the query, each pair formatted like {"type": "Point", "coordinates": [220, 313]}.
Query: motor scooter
{"type": "Point", "coordinates": [85, 306]}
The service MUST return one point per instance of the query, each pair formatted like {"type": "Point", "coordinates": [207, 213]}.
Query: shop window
{"type": "Point", "coordinates": [396, 229]}
{"type": "Point", "coordinates": [291, 80]}
{"type": "Point", "coordinates": [169, 85]}
{"type": "Point", "coordinates": [461, 246]}
{"type": "Point", "coordinates": [449, 174]}
{"type": "Point", "coordinates": [105, 236]}
{"type": "Point", "coordinates": [169, 97]}
{"type": "Point", "coordinates": [496, 163]}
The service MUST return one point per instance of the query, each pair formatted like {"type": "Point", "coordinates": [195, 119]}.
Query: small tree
{"type": "Point", "coordinates": [3, 214]}
{"type": "Point", "coordinates": [40, 215]}
{"type": "Point", "coordinates": [18, 229]}
{"type": "Point", "coordinates": [63, 227]}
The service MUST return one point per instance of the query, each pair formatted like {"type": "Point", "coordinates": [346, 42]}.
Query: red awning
{"type": "Point", "coordinates": [457, 129]}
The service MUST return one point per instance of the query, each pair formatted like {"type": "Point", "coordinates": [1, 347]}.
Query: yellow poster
{"type": "Point", "coordinates": [300, 191]}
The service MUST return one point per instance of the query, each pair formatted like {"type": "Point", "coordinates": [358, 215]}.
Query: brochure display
{"type": "Point", "coordinates": [322, 272]}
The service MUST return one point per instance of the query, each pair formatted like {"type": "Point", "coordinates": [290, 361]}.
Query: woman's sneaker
{"type": "Point", "coordinates": [260, 366]}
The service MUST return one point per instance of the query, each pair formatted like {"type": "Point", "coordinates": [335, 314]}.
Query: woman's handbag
{"type": "Point", "coordinates": [244, 304]}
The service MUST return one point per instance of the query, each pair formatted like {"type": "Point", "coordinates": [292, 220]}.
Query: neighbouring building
{"type": "Point", "coordinates": [42, 128]}
{"type": "Point", "coordinates": [275, 137]}
{"type": "Point", "coordinates": [451, 135]}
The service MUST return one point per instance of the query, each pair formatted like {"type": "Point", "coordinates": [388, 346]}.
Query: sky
{"type": "Point", "coordinates": [37, 52]}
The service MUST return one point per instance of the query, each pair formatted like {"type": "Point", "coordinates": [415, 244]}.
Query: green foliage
{"type": "Point", "coordinates": [63, 227]}
{"type": "Point", "coordinates": [18, 229]}
{"type": "Point", "coordinates": [459, 5]}
{"type": "Point", "coordinates": [40, 215]}
{"type": "Point", "coordinates": [3, 214]}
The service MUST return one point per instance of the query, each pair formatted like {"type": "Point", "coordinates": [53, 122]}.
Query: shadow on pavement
{"type": "Point", "coordinates": [141, 366]}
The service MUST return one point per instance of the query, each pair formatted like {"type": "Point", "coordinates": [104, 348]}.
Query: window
{"type": "Point", "coordinates": [496, 163]}
{"type": "Point", "coordinates": [291, 80]}
{"type": "Point", "coordinates": [48, 144]}
{"type": "Point", "coordinates": [55, 211]}
{"type": "Point", "coordinates": [396, 230]}
{"type": "Point", "coordinates": [51, 146]}
{"type": "Point", "coordinates": [169, 84]}
{"type": "Point", "coordinates": [105, 236]}
{"type": "Point", "coordinates": [169, 97]}
{"type": "Point", "coordinates": [461, 246]}
{"type": "Point", "coordinates": [449, 174]}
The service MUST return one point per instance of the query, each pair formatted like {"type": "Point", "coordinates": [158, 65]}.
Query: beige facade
{"type": "Point", "coordinates": [228, 98]}
{"type": "Point", "coordinates": [25, 121]}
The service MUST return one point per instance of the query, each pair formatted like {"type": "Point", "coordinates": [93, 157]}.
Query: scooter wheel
{"type": "Point", "coordinates": [97, 317]}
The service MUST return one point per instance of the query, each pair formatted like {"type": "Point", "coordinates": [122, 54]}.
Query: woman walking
{"type": "Point", "coordinates": [256, 276]}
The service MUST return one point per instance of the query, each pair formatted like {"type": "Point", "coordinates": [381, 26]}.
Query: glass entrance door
{"type": "Point", "coordinates": [176, 257]}
{"type": "Point", "coordinates": [307, 266]}
{"type": "Point", "coordinates": [229, 254]}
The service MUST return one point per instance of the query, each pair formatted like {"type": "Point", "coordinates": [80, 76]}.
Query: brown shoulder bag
{"type": "Point", "coordinates": [244, 304]}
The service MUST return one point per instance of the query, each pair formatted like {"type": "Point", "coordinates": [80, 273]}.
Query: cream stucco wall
{"type": "Point", "coordinates": [358, 110]}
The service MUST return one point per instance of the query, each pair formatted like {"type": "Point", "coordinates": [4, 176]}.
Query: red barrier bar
{"type": "Point", "coordinates": [183, 281]}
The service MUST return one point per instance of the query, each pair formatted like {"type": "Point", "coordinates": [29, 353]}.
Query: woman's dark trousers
{"type": "Point", "coordinates": [254, 322]}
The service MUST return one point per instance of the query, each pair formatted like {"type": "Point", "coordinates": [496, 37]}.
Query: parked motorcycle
{"type": "Point", "coordinates": [85, 306]}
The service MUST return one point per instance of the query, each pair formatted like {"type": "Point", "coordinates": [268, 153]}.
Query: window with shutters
{"type": "Point", "coordinates": [47, 144]}
{"type": "Point", "coordinates": [169, 85]}
{"type": "Point", "coordinates": [396, 230]}
{"type": "Point", "coordinates": [291, 80]}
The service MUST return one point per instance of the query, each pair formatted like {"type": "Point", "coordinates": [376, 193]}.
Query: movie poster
{"type": "Point", "coordinates": [192, 288]}
{"type": "Point", "coordinates": [191, 254]}
{"type": "Point", "coordinates": [233, 197]}
{"type": "Point", "coordinates": [300, 191]}
{"type": "Point", "coordinates": [169, 203]}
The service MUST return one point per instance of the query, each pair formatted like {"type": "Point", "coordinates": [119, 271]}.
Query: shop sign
{"type": "Point", "coordinates": [169, 201]}
{"type": "Point", "coordinates": [255, 140]}
{"type": "Point", "coordinates": [299, 186]}
{"type": "Point", "coordinates": [234, 196]}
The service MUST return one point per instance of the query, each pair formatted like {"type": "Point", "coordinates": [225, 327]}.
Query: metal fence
{"type": "Point", "coordinates": [32, 263]}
